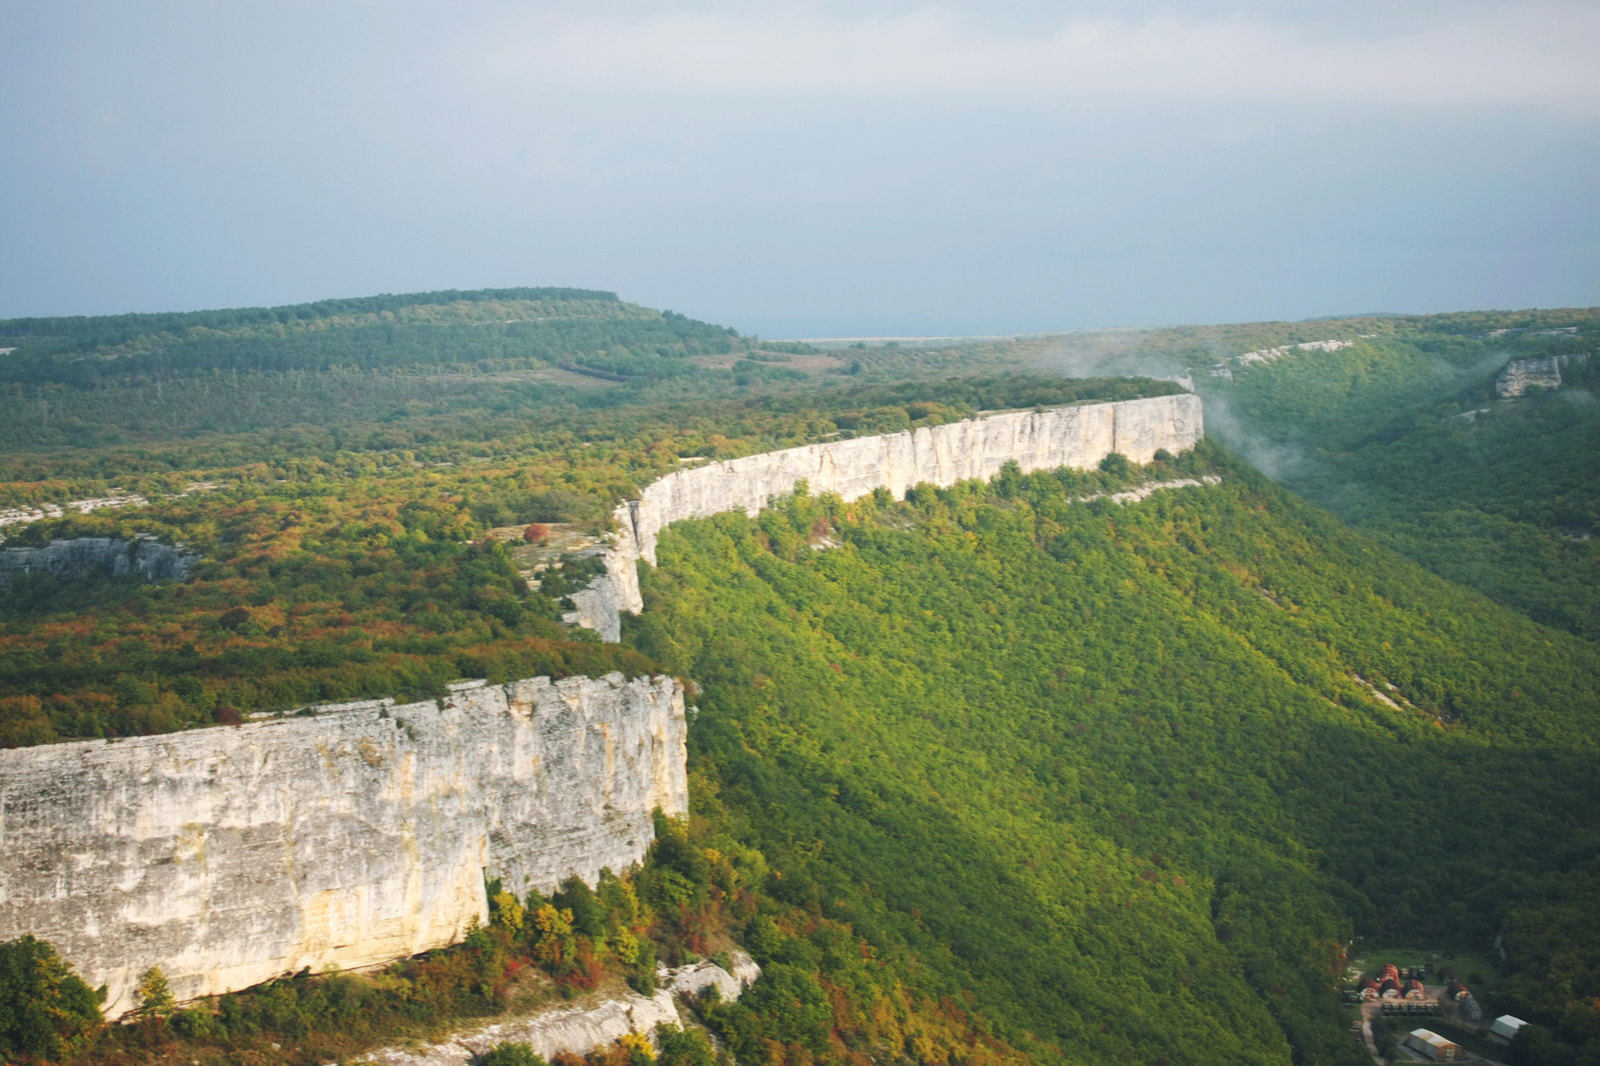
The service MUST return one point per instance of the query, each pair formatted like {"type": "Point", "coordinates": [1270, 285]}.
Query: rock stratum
{"type": "Point", "coordinates": [1521, 374]}
{"type": "Point", "coordinates": [69, 560]}
{"type": "Point", "coordinates": [1078, 436]}
{"type": "Point", "coordinates": [344, 836]}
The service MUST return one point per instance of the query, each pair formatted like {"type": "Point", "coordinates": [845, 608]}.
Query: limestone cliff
{"type": "Point", "coordinates": [1077, 436]}
{"type": "Point", "coordinates": [351, 837]}
{"type": "Point", "coordinates": [1521, 374]}
{"type": "Point", "coordinates": [71, 559]}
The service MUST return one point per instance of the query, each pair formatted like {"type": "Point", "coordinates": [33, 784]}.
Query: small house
{"type": "Point", "coordinates": [1448, 974]}
{"type": "Point", "coordinates": [1433, 1046]}
{"type": "Point", "coordinates": [1415, 991]}
{"type": "Point", "coordinates": [1469, 1009]}
{"type": "Point", "coordinates": [1505, 1028]}
{"type": "Point", "coordinates": [1368, 989]}
{"type": "Point", "coordinates": [1391, 970]}
{"type": "Point", "coordinates": [1455, 991]}
{"type": "Point", "coordinates": [1390, 988]}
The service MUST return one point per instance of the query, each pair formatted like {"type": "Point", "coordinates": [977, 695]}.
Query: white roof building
{"type": "Point", "coordinates": [1433, 1046]}
{"type": "Point", "coordinates": [1505, 1027]}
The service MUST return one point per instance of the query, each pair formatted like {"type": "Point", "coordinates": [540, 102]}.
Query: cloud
{"type": "Point", "coordinates": [1528, 55]}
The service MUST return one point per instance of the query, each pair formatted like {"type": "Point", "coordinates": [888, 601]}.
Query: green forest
{"type": "Point", "coordinates": [1112, 768]}
{"type": "Point", "coordinates": [993, 774]}
{"type": "Point", "coordinates": [1401, 434]}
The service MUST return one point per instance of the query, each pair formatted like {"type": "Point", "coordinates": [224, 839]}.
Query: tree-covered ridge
{"type": "Point", "coordinates": [1119, 770]}
{"type": "Point", "coordinates": [539, 329]}
{"type": "Point", "coordinates": [86, 331]}
{"type": "Point", "coordinates": [1403, 435]}
{"type": "Point", "coordinates": [369, 575]}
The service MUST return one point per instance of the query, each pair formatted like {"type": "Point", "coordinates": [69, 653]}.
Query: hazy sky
{"type": "Point", "coordinates": [807, 169]}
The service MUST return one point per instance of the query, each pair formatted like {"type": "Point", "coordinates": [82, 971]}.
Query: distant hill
{"type": "Point", "coordinates": [488, 328]}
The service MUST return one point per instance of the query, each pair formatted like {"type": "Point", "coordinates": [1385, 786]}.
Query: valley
{"type": "Point", "coordinates": [1121, 752]}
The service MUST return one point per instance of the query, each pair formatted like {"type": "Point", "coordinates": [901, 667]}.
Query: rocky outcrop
{"type": "Point", "coordinates": [71, 559]}
{"type": "Point", "coordinates": [1078, 436]}
{"type": "Point", "coordinates": [580, 1030]}
{"type": "Point", "coordinates": [345, 838]}
{"type": "Point", "coordinates": [1521, 374]}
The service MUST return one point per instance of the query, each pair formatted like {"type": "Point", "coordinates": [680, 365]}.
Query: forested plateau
{"type": "Point", "coordinates": [998, 773]}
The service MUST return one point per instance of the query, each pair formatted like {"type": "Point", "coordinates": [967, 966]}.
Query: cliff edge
{"type": "Point", "coordinates": [977, 448]}
{"type": "Point", "coordinates": [348, 836]}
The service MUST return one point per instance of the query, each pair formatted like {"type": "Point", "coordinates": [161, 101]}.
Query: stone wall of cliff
{"type": "Point", "coordinates": [71, 559]}
{"type": "Point", "coordinates": [1077, 436]}
{"type": "Point", "coordinates": [1545, 372]}
{"type": "Point", "coordinates": [347, 837]}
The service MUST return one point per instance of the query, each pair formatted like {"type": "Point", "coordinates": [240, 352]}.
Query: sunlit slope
{"type": "Point", "coordinates": [1112, 767]}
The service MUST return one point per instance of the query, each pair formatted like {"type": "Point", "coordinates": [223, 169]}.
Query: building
{"type": "Point", "coordinates": [1448, 974]}
{"type": "Point", "coordinates": [1456, 991]}
{"type": "Point", "coordinates": [1369, 989]}
{"type": "Point", "coordinates": [1415, 991]}
{"type": "Point", "coordinates": [1469, 1009]}
{"type": "Point", "coordinates": [1391, 970]}
{"type": "Point", "coordinates": [1505, 1028]}
{"type": "Point", "coordinates": [1390, 988]}
{"type": "Point", "coordinates": [1433, 1046]}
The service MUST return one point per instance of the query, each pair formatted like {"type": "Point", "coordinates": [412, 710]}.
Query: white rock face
{"type": "Point", "coordinates": [230, 856]}
{"type": "Point", "coordinates": [1519, 374]}
{"type": "Point", "coordinates": [694, 979]}
{"type": "Point", "coordinates": [939, 455]}
{"type": "Point", "coordinates": [577, 1030]}
{"type": "Point", "coordinates": [580, 1030]}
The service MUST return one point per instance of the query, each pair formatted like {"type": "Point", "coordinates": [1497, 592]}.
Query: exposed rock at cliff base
{"type": "Point", "coordinates": [580, 1030]}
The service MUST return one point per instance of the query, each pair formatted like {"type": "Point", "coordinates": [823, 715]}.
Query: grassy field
{"type": "Point", "coordinates": [1474, 964]}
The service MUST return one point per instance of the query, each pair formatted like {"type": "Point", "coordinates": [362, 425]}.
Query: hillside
{"type": "Point", "coordinates": [1404, 435]}
{"type": "Point", "coordinates": [447, 360]}
{"type": "Point", "coordinates": [1118, 769]}
{"type": "Point", "coordinates": [996, 774]}
{"type": "Point", "coordinates": [1394, 425]}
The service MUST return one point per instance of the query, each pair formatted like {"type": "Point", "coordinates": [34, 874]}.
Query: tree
{"type": "Point", "coordinates": [683, 1047]}
{"type": "Point", "coordinates": [46, 1010]}
{"type": "Point", "coordinates": [155, 996]}
{"type": "Point", "coordinates": [1116, 464]}
{"type": "Point", "coordinates": [536, 533]}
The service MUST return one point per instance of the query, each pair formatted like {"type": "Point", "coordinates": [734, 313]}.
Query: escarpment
{"type": "Point", "coordinates": [978, 448]}
{"type": "Point", "coordinates": [349, 837]}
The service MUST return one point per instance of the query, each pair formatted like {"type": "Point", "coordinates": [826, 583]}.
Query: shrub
{"type": "Point", "coordinates": [513, 1055]}
{"type": "Point", "coordinates": [46, 1010]}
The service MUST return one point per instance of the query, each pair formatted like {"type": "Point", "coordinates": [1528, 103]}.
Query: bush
{"type": "Point", "coordinates": [683, 1047]}
{"type": "Point", "coordinates": [513, 1055]}
{"type": "Point", "coordinates": [46, 1010]}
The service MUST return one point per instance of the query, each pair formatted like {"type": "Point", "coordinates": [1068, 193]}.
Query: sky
{"type": "Point", "coordinates": [805, 168]}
